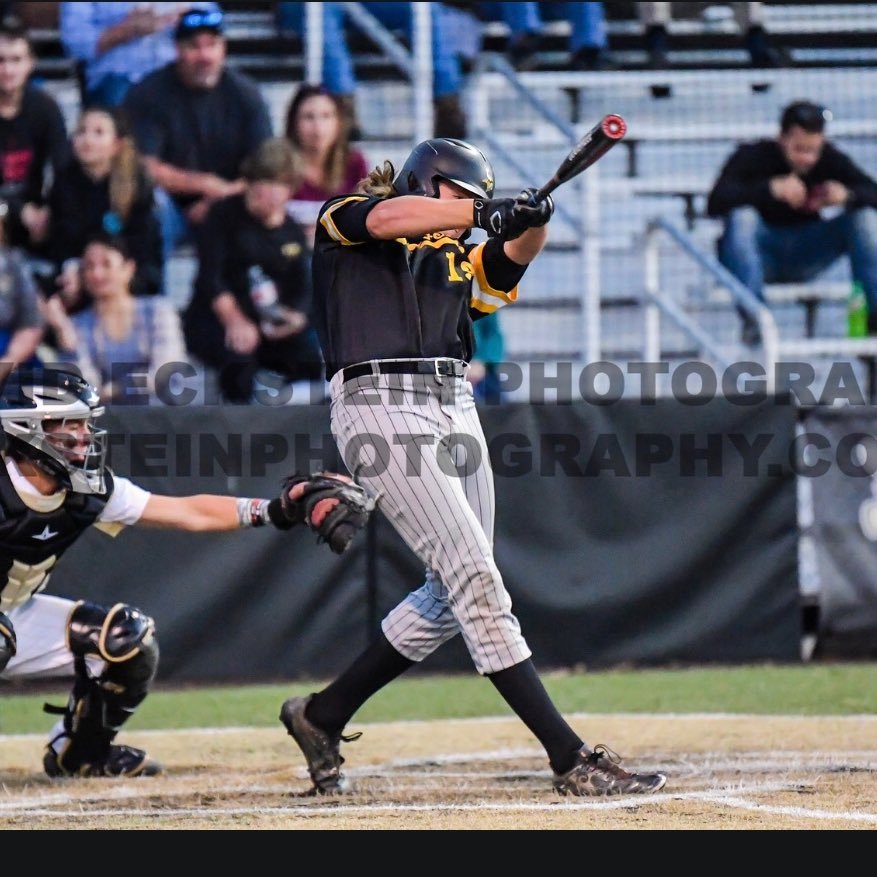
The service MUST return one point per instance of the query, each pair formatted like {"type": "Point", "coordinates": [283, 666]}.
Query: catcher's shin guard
{"type": "Point", "coordinates": [124, 638]}
{"type": "Point", "coordinates": [7, 641]}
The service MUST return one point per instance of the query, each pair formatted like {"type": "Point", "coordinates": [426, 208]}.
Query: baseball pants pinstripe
{"type": "Point", "coordinates": [415, 442]}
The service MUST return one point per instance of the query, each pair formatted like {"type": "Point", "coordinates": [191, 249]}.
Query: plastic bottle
{"type": "Point", "coordinates": [857, 312]}
{"type": "Point", "coordinates": [263, 292]}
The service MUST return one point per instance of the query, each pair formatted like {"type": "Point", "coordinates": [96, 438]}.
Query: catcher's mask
{"type": "Point", "coordinates": [48, 417]}
{"type": "Point", "coordinates": [443, 158]}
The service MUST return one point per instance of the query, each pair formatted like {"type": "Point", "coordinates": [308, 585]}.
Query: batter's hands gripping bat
{"type": "Point", "coordinates": [592, 147]}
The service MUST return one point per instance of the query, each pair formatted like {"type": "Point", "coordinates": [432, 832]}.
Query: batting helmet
{"type": "Point", "coordinates": [443, 158]}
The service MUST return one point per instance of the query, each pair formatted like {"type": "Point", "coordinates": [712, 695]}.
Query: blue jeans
{"type": "Point", "coordinates": [757, 253]}
{"type": "Point", "coordinates": [339, 75]}
{"type": "Point", "coordinates": [587, 20]}
{"type": "Point", "coordinates": [109, 91]}
{"type": "Point", "coordinates": [175, 227]}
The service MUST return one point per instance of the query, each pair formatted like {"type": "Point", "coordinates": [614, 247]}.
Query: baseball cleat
{"type": "Point", "coordinates": [120, 761]}
{"type": "Point", "coordinates": [597, 773]}
{"type": "Point", "coordinates": [321, 751]}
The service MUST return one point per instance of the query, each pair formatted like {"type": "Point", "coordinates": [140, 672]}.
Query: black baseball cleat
{"type": "Point", "coordinates": [596, 773]}
{"type": "Point", "coordinates": [120, 761]}
{"type": "Point", "coordinates": [321, 751]}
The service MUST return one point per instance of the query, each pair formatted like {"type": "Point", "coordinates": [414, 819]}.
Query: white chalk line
{"type": "Point", "coordinates": [725, 796]}
{"type": "Point", "coordinates": [331, 810]}
{"type": "Point", "coordinates": [776, 760]}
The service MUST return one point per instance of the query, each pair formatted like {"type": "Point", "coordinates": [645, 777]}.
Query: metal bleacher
{"type": "Point", "coordinates": [584, 299]}
{"type": "Point", "coordinates": [681, 140]}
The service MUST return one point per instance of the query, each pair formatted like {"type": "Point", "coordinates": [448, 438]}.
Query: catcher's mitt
{"type": "Point", "coordinates": [334, 506]}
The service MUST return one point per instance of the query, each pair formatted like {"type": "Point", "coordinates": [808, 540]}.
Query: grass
{"type": "Point", "coordinates": [807, 689]}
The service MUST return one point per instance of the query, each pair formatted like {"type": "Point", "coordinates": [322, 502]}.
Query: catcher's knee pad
{"type": "Point", "coordinates": [7, 641]}
{"type": "Point", "coordinates": [124, 637]}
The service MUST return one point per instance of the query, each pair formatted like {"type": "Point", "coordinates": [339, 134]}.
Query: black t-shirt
{"type": "Point", "coordinates": [210, 131]}
{"type": "Point", "coordinates": [745, 180]}
{"type": "Point", "coordinates": [80, 208]}
{"type": "Point", "coordinates": [31, 143]}
{"type": "Point", "coordinates": [234, 241]}
{"type": "Point", "coordinates": [400, 299]}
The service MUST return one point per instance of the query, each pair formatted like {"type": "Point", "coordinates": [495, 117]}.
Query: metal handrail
{"type": "Point", "coordinates": [493, 62]}
{"type": "Point", "coordinates": [586, 224]}
{"type": "Point", "coordinates": [741, 295]}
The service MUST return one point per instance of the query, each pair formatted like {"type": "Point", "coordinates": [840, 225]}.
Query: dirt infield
{"type": "Point", "coordinates": [727, 772]}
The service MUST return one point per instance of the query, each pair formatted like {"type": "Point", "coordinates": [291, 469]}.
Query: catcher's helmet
{"type": "Point", "coordinates": [443, 158]}
{"type": "Point", "coordinates": [30, 398]}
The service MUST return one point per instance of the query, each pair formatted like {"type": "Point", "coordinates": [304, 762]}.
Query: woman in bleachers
{"type": "Point", "coordinates": [104, 188]}
{"type": "Point", "coordinates": [119, 341]}
{"type": "Point", "coordinates": [330, 165]}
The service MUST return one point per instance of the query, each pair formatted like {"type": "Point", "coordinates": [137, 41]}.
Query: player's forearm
{"type": "Point", "coordinates": [200, 513]}
{"type": "Point", "coordinates": [522, 250]}
{"type": "Point", "coordinates": [414, 215]}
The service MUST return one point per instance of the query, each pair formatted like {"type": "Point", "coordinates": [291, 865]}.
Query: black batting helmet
{"type": "Point", "coordinates": [443, 158]}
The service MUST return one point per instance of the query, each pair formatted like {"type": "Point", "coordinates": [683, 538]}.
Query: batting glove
{"type": "Point", "coordinates": [498, 218]}
{"type": "Point", "coordinates": [532, 212]}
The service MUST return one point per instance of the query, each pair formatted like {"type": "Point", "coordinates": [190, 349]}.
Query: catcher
{"type": "Point", "coordinates": [54, 484]}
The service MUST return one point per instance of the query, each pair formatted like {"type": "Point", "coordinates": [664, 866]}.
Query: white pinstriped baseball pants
{"type": "Point", "coordinates": [415, 442]}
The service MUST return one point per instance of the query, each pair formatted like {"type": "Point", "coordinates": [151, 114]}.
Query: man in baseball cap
{"type": "Point", "coordinates": [195, 120]}
{"type": "Point", "coordinates": [197, 20]}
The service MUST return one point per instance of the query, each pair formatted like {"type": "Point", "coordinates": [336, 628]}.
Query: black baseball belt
{"type": "Point", "coordinates": [446, 368]}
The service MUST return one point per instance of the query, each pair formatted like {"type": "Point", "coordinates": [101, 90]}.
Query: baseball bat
{"type": "Point", "coordinates": [591, 148]}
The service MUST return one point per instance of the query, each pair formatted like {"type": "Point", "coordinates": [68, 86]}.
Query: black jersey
{"type": "Point", "coordinates": [400, 299]}
{"type": "Point", "coordinates": [31, 542]}
{"type": "Point", "coordinates": [233, 242]}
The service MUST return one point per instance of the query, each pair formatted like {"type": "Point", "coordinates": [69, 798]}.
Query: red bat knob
{"type": "Point", "coordinates": [614, 127]}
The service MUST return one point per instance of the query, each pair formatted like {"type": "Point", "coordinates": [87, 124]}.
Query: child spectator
{"type": "Point", "coordinates": [120, 341]}
{"type": "Point", "coordinates": [250, 309]}
{"type": "Point", "coordinates": [330, 166]}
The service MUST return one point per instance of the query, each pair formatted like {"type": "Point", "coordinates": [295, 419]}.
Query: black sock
{"type": "Point", "coordinates": [333, 707]}
{"type": "Point", "coordinates": [522, 689]}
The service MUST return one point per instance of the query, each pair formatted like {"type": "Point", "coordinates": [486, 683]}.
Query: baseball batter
{"type": "Point", "coordinates": [53, 486]}
{"type": "Point", "coordinates": [397, 287]}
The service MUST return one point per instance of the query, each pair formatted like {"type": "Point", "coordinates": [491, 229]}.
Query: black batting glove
{"type": "Point", "coordinates": [532, 212]}
{"type": "Point", "coordinates": [498, 218]}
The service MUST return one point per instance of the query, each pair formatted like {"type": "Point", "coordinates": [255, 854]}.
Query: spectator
{"type": "Point", "coordinates": [792, 206]}
{"type": "Point", "coordinates": [117, 44]}
{"type": "Point", "coordinates": [489, 350]}
{"type": "Point", "coordinates": [252, 245]}
{"type": "Point", "coordinates": [655, 18]}
{"type": "Point", "coordinates": [104, 188]}
{"type": "Point", "coordinates": [450, 43]}
{"type": "Point", "coordinates": [33, 139]}
{"type": "Point", "coordinates": [120, 341]}
{"type": "Point", "coordinates": [194, 121]}
{"type": "Point", "coordinates": [330, 166]}
{"type": "Point", "coordinates": [21, 321]}
{"type": "Point", "coordinates": [588, 42]}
